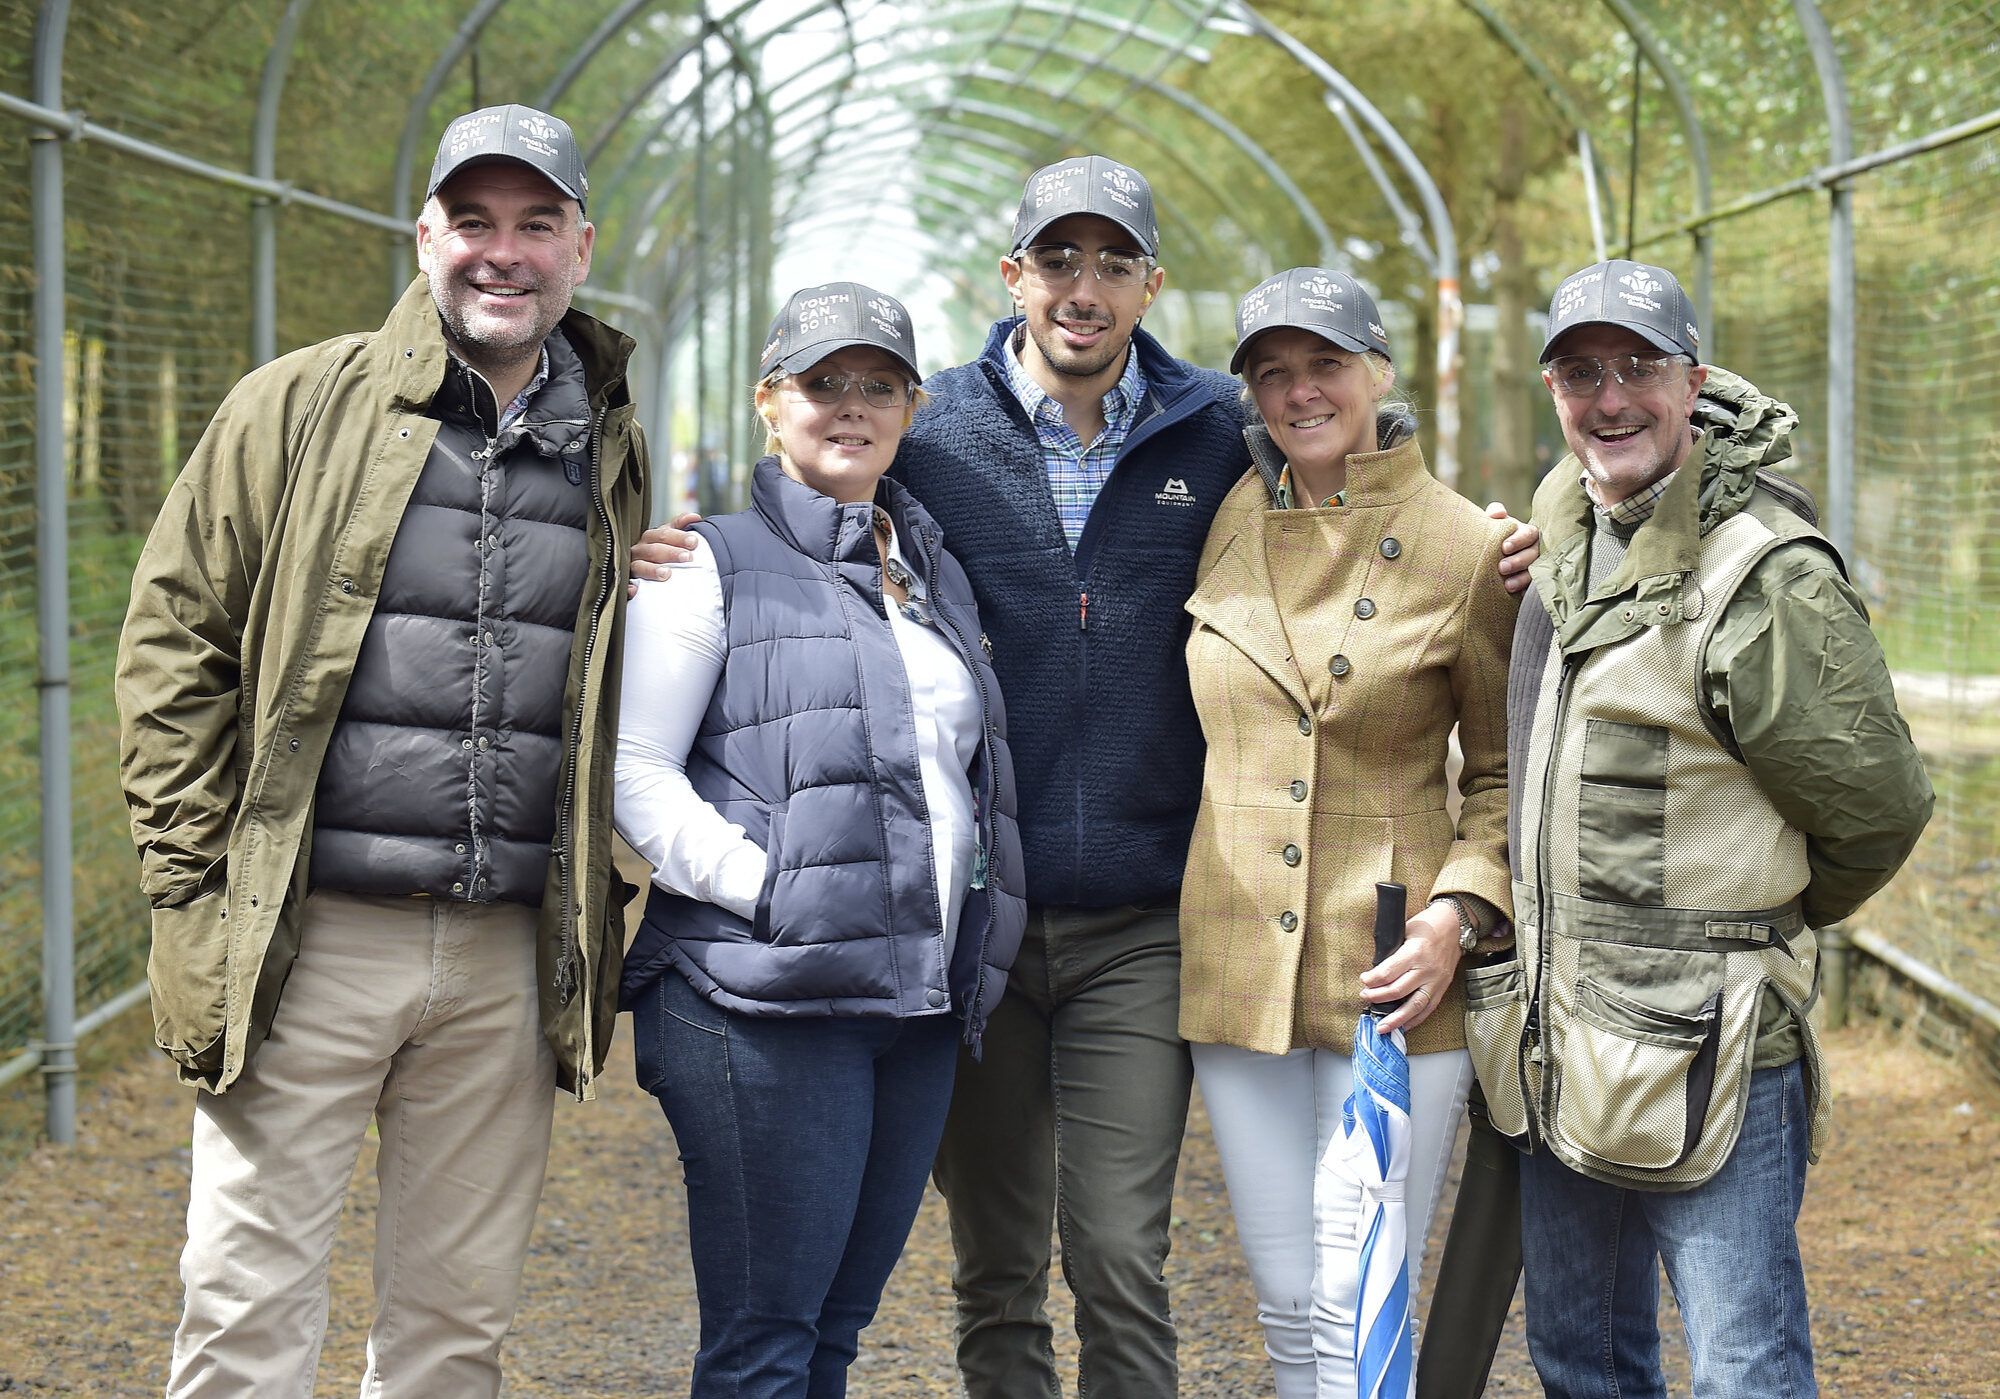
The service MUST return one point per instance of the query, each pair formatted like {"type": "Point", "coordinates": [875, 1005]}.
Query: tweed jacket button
{"type": "Point", "coordinates": [1298, 791]}
{"type": "Point", "coordinates": [1292, 855]}
{"type": "Point", "coordinates": [1391, 547]}
{"type": "Point", "coordinates": [1288, 920]}
{"type": "Point", "coordinates": [1365, 608]}
{"type": "Point", "coordinates": [1306, 724]}
{"type": "Point", "coordinates": [1339, 665]}
{"type": "Point", "coordinates": [936, 1000]}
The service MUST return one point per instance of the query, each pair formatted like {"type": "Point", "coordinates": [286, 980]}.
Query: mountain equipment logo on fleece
{"type": "Point", "coordinates": [1175, 492]}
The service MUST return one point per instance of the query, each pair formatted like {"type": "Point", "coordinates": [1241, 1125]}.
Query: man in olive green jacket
{"type": "Point", "coordinates": [368, 686]}
{"type": "Point", "coordinates": [1707, 764]}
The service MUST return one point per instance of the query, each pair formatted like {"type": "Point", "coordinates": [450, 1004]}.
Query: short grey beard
{"type": "Point", "coordinates": [483, 354]}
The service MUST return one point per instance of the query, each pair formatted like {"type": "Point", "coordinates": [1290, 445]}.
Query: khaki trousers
{"type": "Point", "coordinates": [422, 1015]}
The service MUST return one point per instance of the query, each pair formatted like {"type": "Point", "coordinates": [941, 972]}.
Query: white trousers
{"type": "Point", "coordinates": [1275, 1116]}
{"type": "Point", "coordinates": [421, 1014]}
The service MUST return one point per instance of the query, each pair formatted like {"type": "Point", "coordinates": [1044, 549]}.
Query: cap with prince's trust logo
{"type": "Point", "coordinates": [820, 320]}
{"type": "Point", "coordinates": [522, 135]}
{"type": "Point", "coordinates": [1641, 298]}
{"type": "Point", "coordinates": [1319, 299]}
{"type": "Point", "coordinates": [1088, 184]}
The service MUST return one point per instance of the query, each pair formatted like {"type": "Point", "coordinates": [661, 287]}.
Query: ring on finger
{"type": "Point", "coordinates": [1423, 991]}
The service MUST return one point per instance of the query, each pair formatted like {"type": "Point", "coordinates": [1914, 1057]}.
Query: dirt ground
{"type": "Point", "coordinates": [1901, 1233]}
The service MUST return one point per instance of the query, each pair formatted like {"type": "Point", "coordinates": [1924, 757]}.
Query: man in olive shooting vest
{"type": "Point", "coordinates": [1707, 764]}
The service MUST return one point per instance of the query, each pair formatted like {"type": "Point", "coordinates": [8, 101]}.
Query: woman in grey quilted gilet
{"type": "Point", "coordinates": [813, 758]}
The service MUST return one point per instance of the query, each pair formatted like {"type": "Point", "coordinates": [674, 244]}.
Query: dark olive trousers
{"type": "Point", "coordinates": [1072, 1120]}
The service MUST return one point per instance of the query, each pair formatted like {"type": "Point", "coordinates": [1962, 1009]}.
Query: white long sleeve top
{"type": "Point", "coordinates": [674, 651]}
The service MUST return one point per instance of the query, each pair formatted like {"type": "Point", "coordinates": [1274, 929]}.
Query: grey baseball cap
{"type": "Point", "coordinates": [1087, 184]}
{"type": "Point", "coordinates": [1317, 299]}
{"type": "Point", "coordinates": [1642, 298]}
{"type": "Point", "coordinates": [819, 320]}
{"type": "Point", "coordinates": [515, 133]}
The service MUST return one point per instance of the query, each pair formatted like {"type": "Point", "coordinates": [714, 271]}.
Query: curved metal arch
{"type": "Point", "coordinates": [1136, 79]}
{"type": "Point", "coordinates": [1097, 19]}
{"type": "Point", "coordinates": [1060, 137]}
{"type": "Point", "coordinates": [664, 72]}
{"type": "Point", "coordinates": [1196, 236]}
{"type": "Point", "coordinates": [1559, 98]}
{"type": "Point", "coordinates": [462, 39]}
{"type": "Point", "coordinates": [993, 112]}
{"type": "Point", "coordinates": [629, 9]}
{"type": "Point", "coordinates": [608, 29]}
{"type": "Point", "coordinates": [1407, 219]}
{"type": "Point", "coordinates": [1257, 155]}
{"type": "Point", "coordinates": [1670, 75]}
{"type": "Point", "coordinates": [263, 164]}
{"type": "Point", "coordinates": [1443, 237]}
{"type": "Point", "coordinates": [1101, 60]}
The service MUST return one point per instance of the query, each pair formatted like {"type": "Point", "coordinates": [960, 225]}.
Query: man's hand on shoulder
{"type": "Point", "coordinates": [1519, 550]}
{"type": "Point", "coordinates": [661, 547]}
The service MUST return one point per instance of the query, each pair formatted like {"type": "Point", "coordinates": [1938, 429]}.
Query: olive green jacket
{"type": "Point", "coordinates": [1795, 680]}
{"type": "Point", "coordinates": [248, 607]}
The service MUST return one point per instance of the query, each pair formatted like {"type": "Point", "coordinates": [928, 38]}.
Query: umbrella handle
{"type": "Point", "coordinates": [1391, 913]}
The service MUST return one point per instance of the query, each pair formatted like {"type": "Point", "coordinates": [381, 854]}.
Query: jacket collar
{"type": "Point", "coordinates": [1386, 477]}
{"type": "Point", "coordinates": [1171, 390]}
{"type": "Point", "coordinates": [557, 418]}
{"type": "Point", "coordinates": [412, 344]}
{"type": "Point", "coordinates": [830, 532]}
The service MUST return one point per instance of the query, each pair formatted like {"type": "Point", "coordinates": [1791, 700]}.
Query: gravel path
{"type": "Point", "coordinates": [1902, 1233]}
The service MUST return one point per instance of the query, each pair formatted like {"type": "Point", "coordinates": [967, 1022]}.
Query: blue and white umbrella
{"type": "Point", "coordinates": [1372, 1154]}
{"type": "Point", "coordinates": [1365, 1222]}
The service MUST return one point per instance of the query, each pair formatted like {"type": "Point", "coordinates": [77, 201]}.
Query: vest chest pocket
{"type": "Point", "coordinates": [1622, 814]}
{"type": "Point", "coordinates": [1636, 1080]}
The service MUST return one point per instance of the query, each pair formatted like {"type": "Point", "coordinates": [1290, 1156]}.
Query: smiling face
{"type": "Point", "coordinates": [1626, 438]}
{"type": "Point", "coordinates": [1317, 400]}
{"type": "Point", "coordinates": [839, 449]}
{"type": "Point", "coordinates": [1081, 329]}
{"type": "Point", "coordinates": [504, 251]}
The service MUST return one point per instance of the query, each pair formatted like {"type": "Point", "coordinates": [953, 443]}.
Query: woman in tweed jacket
{"type": "Point", "coordinates": [1349, 612]}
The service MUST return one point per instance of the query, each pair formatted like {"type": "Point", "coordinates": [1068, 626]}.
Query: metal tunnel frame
{"type": "Point", "coordinates": [667, 271]}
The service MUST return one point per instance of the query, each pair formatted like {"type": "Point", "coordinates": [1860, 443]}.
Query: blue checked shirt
{"type": "Point", "coordinates": [1076, 472]}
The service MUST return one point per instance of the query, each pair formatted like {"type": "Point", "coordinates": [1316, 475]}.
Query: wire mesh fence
{"type": "Point", "coordinates": [712, 122]}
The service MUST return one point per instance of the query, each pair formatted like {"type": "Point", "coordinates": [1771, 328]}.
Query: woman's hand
{"type": "Point", "coordinates": [1518, 551]}
{"type": "Point", "coordinates": [1421, 969]}
{"type": "Point", "coordinates": [659, 547]}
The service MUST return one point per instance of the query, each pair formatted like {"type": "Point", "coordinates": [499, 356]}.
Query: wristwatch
{"type": "Point", "coordinates": [1468, 930]}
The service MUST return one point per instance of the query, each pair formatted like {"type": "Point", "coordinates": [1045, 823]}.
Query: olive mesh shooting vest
{"type": "Point", "coordinates": [1658, 896]}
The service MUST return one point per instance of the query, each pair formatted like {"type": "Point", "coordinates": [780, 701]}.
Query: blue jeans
{"type": "Point", "coordinates": [805, 1143]}
{"type": "Point", "coordinates": [1731, 1251]}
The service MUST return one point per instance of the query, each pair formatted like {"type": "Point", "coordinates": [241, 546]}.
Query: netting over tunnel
{"type": "Point", "coordinates": [739, 150]}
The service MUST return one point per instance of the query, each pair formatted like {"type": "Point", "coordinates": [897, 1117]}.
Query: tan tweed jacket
{"type": "Point", "coordinates": [1332, 651]}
